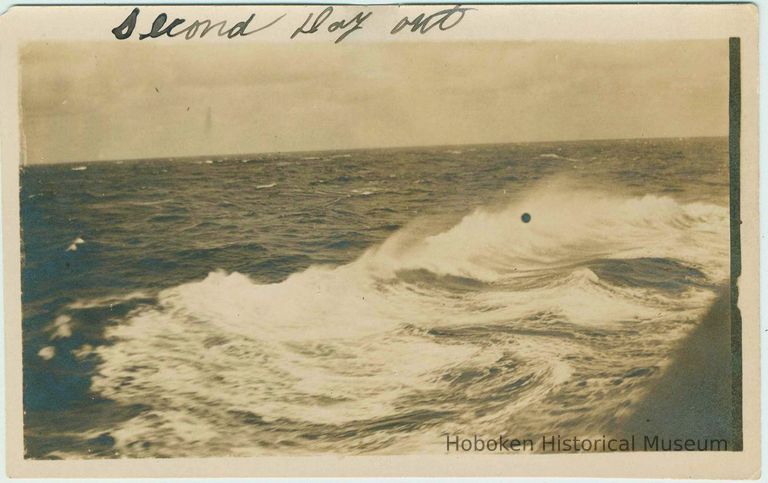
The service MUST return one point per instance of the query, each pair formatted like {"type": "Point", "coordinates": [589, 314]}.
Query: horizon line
{"type": "Point", "coordinates": [374, 148]}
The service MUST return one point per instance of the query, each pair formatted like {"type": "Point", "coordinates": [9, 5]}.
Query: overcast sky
{"type": "Point", "coordinates": [104, 101]}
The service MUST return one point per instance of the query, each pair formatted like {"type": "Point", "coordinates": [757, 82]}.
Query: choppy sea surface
{"type": "Point", "coordinates": [365, 301]}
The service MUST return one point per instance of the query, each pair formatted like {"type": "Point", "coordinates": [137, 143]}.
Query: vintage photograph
{"type": "Point", "coordinates": [377, 248]}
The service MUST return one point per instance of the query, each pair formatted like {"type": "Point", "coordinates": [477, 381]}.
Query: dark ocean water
{"type": "Point", "coordinates": [360, 301]}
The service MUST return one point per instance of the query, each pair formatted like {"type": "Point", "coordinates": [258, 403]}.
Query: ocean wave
{"type": "Point", "coordinates": [488, 324]}
{"type": "Point", "coordinates": [566, 228]}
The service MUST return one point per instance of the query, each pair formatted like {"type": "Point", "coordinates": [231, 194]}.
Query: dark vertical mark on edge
{"type": "Point", "coordinates": [734, 140]}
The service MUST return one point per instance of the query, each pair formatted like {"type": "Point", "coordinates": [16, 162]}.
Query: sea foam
{"type": "Point", "coordinates": [487, 324]}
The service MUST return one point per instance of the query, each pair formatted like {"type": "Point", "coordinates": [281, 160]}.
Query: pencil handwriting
{"type": "Point", "coordinates": [199, 28]}
{"type": "Point", "coordinates": [443, 20]}
{"type": "Point", "coordinates": [348, 26]}
{"type": "Point", "coordinates": [327, 20]}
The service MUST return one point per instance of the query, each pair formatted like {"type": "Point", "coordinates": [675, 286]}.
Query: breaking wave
{"type": "Point", "coordinates": [487, 325]}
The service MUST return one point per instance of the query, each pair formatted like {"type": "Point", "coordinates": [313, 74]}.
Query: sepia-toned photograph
{"type": "Point", "coordinates": [379, 248]}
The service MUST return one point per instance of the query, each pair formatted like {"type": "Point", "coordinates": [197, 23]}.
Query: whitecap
{"type": "Point", "coordinates": [47, 353]}
{"type": "Point", "coordinates": [62, 327]}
